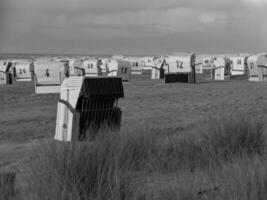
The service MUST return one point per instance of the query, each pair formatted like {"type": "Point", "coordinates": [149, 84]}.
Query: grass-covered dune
{"type": "Point", "coordinates": [177, 141]}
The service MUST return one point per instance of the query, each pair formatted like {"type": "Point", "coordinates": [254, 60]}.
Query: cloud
{"type": "Point", "coordinates": [212, 17]}
{"type": "Point", "coordinates": [49, 24]}
{"type": "Point", "coordinates": [255, 1]}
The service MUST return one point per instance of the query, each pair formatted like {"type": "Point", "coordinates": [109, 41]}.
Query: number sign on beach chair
{"type": "Point", "coordinates": [49, 76]}
{"type": "Point", "coordinates": [180, 68]}
{"type": "Point", "coordinates": [24, 71]}
{"type": "Point", "coordinates": [91, 68]}
{"type": "Point", "coordinates": [238, 68]}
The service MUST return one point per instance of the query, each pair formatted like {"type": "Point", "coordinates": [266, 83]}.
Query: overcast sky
{"type": "Point", "coordinates": [132, 26]}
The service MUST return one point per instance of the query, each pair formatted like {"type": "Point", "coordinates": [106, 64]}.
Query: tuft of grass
{"type": "Point", "coordinates": [76, 171]}
{"type": "Point", "coordinates": [102, 169]}
{"type": "Point", "coordinates": [115, 165]}
{"type": "Point", "coordinates": [226, 137]}
{"type": "Point", "coordinates": [243, 178]}
{"type": "Point", "coordinates": [234, 134]}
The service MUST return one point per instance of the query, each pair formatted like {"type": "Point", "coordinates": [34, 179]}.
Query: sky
{"type": "Point", "coordinates": [133, 26]}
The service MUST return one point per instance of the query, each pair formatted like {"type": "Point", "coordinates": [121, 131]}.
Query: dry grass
{"type": "Point", "coordinates": [136, 164]}
{"type": "Point", "coordinates": [90, 170]}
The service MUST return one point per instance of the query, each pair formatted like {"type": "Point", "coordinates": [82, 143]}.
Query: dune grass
{"type": "Point", "coordinates": [226, 162]}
